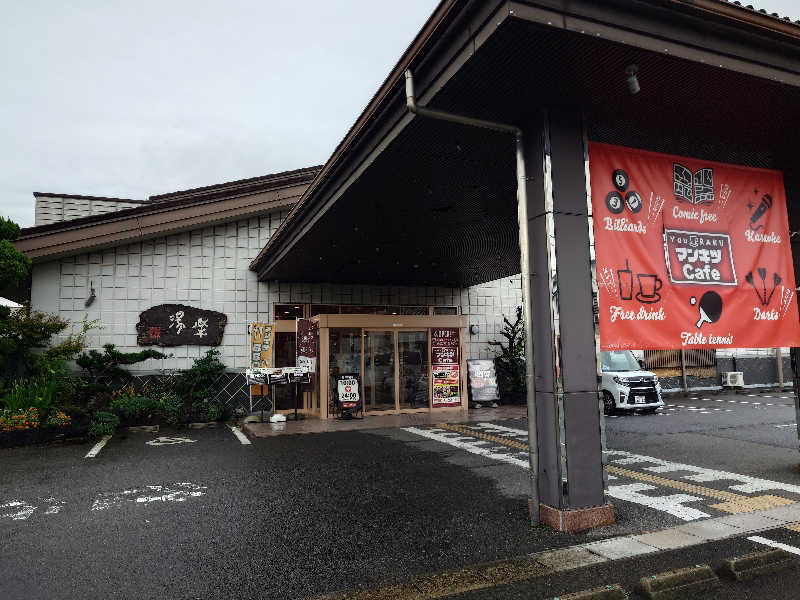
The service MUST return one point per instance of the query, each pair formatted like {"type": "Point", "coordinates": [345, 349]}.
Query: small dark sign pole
{"type": "Point", "coordinates": [296, 399]}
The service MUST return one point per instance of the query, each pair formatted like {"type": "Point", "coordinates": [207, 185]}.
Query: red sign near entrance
{"type": "Point", "coordinates": [690, 253]}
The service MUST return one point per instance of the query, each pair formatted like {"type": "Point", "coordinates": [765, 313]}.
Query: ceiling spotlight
{"type": "Point", "coordinates": [633, 81]}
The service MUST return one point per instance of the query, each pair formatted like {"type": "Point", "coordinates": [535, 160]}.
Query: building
{"type": "Point", "coordinates": [472, 160]}
{"type": "Point", "coordinates": [111, 259]}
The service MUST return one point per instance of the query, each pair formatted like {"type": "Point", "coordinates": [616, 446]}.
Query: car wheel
{"type": "Point", "coordinates": [609, 406]}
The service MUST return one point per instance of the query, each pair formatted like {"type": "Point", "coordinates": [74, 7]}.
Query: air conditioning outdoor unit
{"type": "Point", "coordinates": [733, 379]}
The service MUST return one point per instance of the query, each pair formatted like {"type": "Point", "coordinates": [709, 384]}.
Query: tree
{"type": "Point", "coordinates": [99, 368]}
{"type": "Point", "coordinates": [510, 361]}
{"type": "Point", "coordinates": [25, 342]}
{"type": "Point", "coordinates": [14, 266]}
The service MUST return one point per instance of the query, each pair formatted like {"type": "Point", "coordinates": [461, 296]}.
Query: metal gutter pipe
{"type": "Point", "coordinates": [524, 249]}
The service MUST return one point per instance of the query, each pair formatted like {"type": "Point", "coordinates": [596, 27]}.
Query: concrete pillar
{"type": "Point", "coordinates": [569, 417]}
{"type": "Point", "coordinates": [791, 181]}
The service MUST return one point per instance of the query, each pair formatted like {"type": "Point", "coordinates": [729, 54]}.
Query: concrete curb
{"type": "Point", "coordinates": [209, 425]}
{"type": "Point", "coordinates": [608, 592]}
{"type": "Point", "coordinates": [748, 566]}
{"type": "Point", "coordinates": [143, 429]}
{"type": "Point", "coordinates": [678, 584]}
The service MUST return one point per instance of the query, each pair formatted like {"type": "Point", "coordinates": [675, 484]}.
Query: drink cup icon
{"type": "Point", "coordinates": [625, 279]}
{"type": "Point", "coordinates": [648, 288]}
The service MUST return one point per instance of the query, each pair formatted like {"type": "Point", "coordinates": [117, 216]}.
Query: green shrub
{"type": "Point", "coordinates": [103, 423]}
{"type": "Point", "coordinates": [196, 384]}
{"type": "Point", "coordinates": [207, 410]}
{"type": "Point", "coordinates": [171, 408]}
{"type": "Point", "coordinates": [132, 408]}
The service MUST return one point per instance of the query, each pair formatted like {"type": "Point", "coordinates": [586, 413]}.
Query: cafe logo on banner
{"type": "Point", "coordinates": [695, 257]}
{"type": "Point", "coordinates": [690, 253]}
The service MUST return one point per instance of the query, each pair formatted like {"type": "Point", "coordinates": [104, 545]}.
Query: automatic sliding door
{"type": "Point", "coordinates": [379, 370]}
{"type": "Point", "coordinates": [412, 354]}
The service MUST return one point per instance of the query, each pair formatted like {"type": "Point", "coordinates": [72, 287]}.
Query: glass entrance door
{"type": "Point", "coordinates": [396, 370]}
{"type": "Point", "coordinates": [379, 370]}
{"type": "Point", "coordinates": [412, 356]}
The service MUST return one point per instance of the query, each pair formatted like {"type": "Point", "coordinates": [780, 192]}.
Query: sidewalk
{"type": "Point", "coordinates": [488, 580]}
{"type": "Point", "coordinates": [385, 421]}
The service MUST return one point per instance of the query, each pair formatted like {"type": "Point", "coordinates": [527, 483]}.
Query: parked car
{"type": "Point", "coordinates": [626, 386]}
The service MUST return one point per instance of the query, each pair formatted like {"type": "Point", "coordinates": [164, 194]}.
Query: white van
{"type": "Point", "coordinates": [626, 386]}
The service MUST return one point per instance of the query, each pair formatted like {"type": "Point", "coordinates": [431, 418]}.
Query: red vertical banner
{"type": "Point", "coordinates": [307, 334]}
{"type": "Point", "coordinates": [444, 367]}
{"type": "Point", "coordinates": [690, 253]}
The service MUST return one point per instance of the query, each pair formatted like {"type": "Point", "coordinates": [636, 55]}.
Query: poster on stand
{"type": "Point", "coordinates": [690, 253]}
{"type": "Point", "coordinates": [260, 345]}
{"type": "Point", "coordinates": [482, 381]}
{"type": "Point", "coordinates": [260, 352]}
{"type": "Point", "coordinates": [444, 367]}
{"type": "Point", "coordinates": [307, 331]}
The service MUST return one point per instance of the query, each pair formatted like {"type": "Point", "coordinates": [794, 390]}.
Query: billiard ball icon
{"type": "Point", "coordinates": [615, 203]}
{"type": "Point", "coordinates": [621, 180]}
{"type": "Point", "coordinates": [633, 201]}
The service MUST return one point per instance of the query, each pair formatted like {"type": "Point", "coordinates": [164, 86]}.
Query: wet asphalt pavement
{"type": "Point", "coordinates": [301, 515]}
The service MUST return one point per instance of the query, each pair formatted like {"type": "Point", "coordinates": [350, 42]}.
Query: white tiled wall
{"type": "Point", "coordinates": [53, 210]}
{"type": "Point", "coordinates": [208, 268]}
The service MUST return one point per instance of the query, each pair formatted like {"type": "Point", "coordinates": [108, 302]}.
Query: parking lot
{"type": "Point", "coordinates": [199, 513]}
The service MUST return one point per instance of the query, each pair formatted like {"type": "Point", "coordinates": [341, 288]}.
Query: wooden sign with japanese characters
{"type": "Point", "coordinates": [179, 325]}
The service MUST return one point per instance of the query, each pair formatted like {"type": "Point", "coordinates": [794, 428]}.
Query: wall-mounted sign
{"type": "Point", "coordinates": [690, 253]}
{"type": "Point", "coordinates": [307, 348]}
{"type": "Point", "coordinates": [446, 386]}
{"type": "Point", "coordinates": [444, 367]}
{"type": "Point", "coordinates": [482, 381]}
{"type": "Point", "coordinates": [260, 345]}
{"type": "Point", "coordinates": [444, 346]}
{"type": "Point", "coordinates": [179, 325]}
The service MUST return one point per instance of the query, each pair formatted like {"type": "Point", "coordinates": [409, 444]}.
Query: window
{"type": "Point", "coordinates": [284, 312]}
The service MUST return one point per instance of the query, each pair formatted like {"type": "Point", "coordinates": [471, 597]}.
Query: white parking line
{"type": "Point", "coordinates": [97, 447]}
{"type": "Point", "coordinates": [762, 540]}
{"type": "Point", "coordinates": [239, 435]}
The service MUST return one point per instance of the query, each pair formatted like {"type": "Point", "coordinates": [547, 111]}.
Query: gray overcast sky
{"type": "Point", "coordinates": [129, 99]}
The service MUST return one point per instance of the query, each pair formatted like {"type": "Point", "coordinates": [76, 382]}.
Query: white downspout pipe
{"type": "Point", "coordinates": [525, 261]}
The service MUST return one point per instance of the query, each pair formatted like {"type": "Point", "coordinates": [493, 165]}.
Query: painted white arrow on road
{"type": "Point", "coordinates": [168, 441]}
{"type": "Point", "coordinates": [16, 510]}
{"type": "Point", "coordinates": [174, 492]}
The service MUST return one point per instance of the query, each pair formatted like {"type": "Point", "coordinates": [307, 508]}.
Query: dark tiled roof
{"type": "Point", "coordinates": [82, 197]}
{"type": "Point", "coordinates": [241, 187]}
{"type": "Point", "coordinates": [761, 11]}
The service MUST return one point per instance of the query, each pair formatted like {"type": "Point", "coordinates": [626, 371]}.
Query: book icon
{"type": "Point", "coordinates": [694, 188]}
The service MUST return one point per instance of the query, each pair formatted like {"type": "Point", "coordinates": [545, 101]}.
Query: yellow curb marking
{"type": "Point", "coordinates": [458, 581]}
{"type": "Point", "coordinates": [484, 436]}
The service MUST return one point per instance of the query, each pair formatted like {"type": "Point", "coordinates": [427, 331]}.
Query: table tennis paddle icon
{"type": "Point", "coordinates": [710, 307]}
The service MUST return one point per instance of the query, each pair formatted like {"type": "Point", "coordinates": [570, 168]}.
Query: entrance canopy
{"type": "Point", "coordinates": [412, 201]}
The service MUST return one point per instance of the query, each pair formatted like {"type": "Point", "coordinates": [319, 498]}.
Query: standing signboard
{"type": "Point", "coordinates": [306, 358]}
{"type": "Point", "coordinates": [347, 393]}
{"type": "Point", "coordinates": [690, 253]}
{"type": "Point", "coordinates": [482, 381]}
{"type": "Point", "coordinates": [444, 367]}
